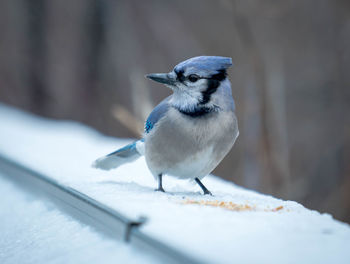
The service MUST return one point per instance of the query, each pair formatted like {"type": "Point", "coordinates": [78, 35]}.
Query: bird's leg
{"type": "Point", "coordinates": [205, 190]}
{"type": "Point", "coordinates": [160, 187]}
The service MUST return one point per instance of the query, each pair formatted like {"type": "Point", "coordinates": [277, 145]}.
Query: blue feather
{"type": "Point", "coordinates": [157, 113]}
{"type": "Point", "coordinates": [119, 157]}
{"type": "Point", "coordinates": [148, 126]}
{"type": "Point", "coordinates": [125, 151]}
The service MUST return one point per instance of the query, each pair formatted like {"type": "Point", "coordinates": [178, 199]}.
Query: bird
{"type": "Point", "coordinates": [188, 133]}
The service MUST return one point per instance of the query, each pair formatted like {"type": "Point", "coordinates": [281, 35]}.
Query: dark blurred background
{"type": "Point", "coordinates": [85, 60]}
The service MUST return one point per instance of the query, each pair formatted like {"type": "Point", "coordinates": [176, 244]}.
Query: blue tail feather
{"type": "Point", "coordinates": [119, 157]}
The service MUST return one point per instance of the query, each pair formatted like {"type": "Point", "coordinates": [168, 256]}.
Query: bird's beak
{"type": "Point", "coordinates": [164, 78]}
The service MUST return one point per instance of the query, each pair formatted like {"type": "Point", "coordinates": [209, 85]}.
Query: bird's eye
{"type": "Point", "coordinates": [193, 78]}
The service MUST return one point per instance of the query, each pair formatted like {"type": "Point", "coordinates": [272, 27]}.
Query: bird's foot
{"type": "Point", "coordinates": [207, 192]}
{"type": "Point", "coordinates": [159, 189]}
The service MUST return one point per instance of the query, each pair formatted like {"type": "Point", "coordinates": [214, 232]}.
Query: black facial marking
{"type": "Point", "coordinates": [180, 75]}
{"type": "Point", "coordinates": [212, 87]}
{"type": "Point", "coordinates": [221, 75]}
{"type": "Point", "coordinates": [213, 84]}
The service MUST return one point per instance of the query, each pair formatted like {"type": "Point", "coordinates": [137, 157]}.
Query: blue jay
{"type": "Point", "coordinates": [191, 131]}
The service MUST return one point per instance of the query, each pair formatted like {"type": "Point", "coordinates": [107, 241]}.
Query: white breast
{"type": "Point", "coordinates": [198, 165]}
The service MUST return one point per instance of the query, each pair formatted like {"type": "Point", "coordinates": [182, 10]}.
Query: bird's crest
{"type": "Point", "coordinates": [207, 64]}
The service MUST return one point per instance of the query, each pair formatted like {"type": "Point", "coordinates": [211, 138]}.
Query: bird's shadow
{"type": "Point", "coordinates": [135, 187]}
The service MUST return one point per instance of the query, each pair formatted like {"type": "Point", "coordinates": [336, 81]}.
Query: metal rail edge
{"type": "Point", "coordinates": [91, 212]}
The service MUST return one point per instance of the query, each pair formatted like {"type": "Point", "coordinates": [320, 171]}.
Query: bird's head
{"type": "Point", "coordinates": [195, 81]}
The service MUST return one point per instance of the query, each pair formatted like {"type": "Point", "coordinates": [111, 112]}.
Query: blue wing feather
{"type": "Point", "coordinates": [157, 113]}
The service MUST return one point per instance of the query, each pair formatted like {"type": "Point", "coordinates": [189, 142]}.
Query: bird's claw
{"type": "Point", "coordinates": [208, 193]}
{"type": "Point", "coordinates": [160, 189]}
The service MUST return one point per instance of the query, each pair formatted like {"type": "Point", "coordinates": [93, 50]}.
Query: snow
{"type": "Point", "coordinates": [258, 228]}
{"type": "Point", "coordinates": [35, 232]}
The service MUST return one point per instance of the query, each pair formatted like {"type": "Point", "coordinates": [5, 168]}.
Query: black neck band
{"type": "Point", "coordinates": [198, 111]}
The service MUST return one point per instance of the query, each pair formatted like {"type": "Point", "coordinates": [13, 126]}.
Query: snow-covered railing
{"type": "Point", "coordinates": [91, 212]}
{"type": "Point", "coordinates": [235, 225]}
